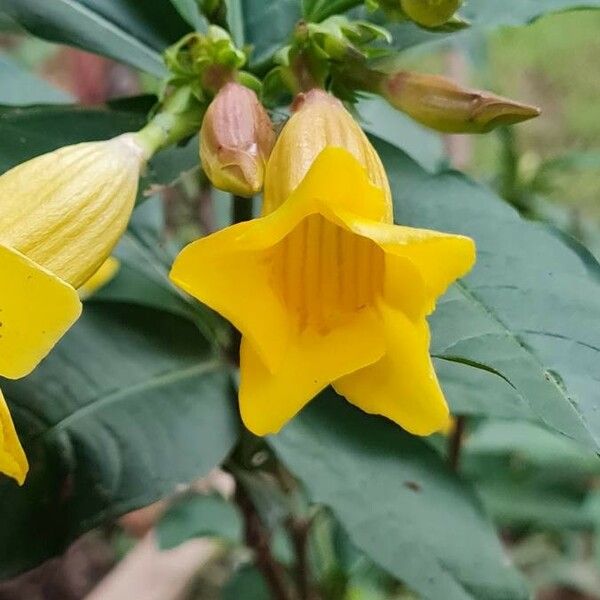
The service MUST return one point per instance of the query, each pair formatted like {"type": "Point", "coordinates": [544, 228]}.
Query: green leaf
{"type": "Point", "coordinates": [268, 26]}
{"type": "Point", "coordinates": [18, 86]}
{"type": "Point", "coordinates": [383, 121]}
{"type": "Point", "coordinates": [517, 504]}
{"type": "Point", "coordinates": [129, 31]}
{"type": "Point", "coordinates": [190, 11]}
{"type": "Point", "coordinates": [398, 502]}
{"type": "Point", "coordinates": [549, 456]}
{"type": "Point", "coordinates": [477, 392]}
{"type": "Point", "coordinates": [26, 132]}
{"type": "Point", "coordinates": [528, 311]}
{"type": "Point", "coordinates": [143, 277]}
{"type": "Point", "coordinates": [129, 405]}
{"type": "Point", "coordinates": [199, 516]}
{"type": "Point", "coordinates": [247, 582]}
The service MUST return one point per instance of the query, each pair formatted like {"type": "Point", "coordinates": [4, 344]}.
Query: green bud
{"type": "Point", "coordinates": [445, 106]}
{"type": "Point", "coordinates": [236, 140]}
{"type": "Point", "coordinates": [430, 13]}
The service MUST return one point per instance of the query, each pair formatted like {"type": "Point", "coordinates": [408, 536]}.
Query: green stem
{"type": "Point", "coordinates": [179, 117]}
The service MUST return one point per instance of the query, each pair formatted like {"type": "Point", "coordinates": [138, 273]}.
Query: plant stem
{"type": "Point", "coordinates": [179, 117]}
{"type": "Point", "coordinates": [299, 531]}
{"type": "Point", "coordinates": [455, 443]}
{"type": "Point", "coordinates": [257, 538]}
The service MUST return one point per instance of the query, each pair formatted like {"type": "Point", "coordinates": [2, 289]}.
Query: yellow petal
{"type": "Point", "coordinates": [100, 278]}
{"type": "Point", "coordinates": [312, 361]}
{"type": "Point", "coordinates": [441, 258]}
{"type": "Point", "coordinates": [36, 309]}
{"type": "Point", "coordinates": [402, 386]}
{"type": "Point", "coordinates": [13, 461]}
{"type": "Point", "coordinates": [229, 272]}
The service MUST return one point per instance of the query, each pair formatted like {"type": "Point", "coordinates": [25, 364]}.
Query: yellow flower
{"type": "Point", "coordinates": [61, 214]}
{"type": "Point", "coordinates": [323, 287]}
{"type": "Point", "coordinates": [13, 461]}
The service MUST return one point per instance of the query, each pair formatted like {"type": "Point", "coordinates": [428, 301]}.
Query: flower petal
{"type": "Point", "coordinates": [441, 258]}
{"type": "Point", "coordinates": [402, 386]}
{"type": "Point", "coordinates": [311, 362]}
{"type": "Point", "coordinates": [228, 271]}
{"type": "Point", "coordinates": [13, 461]}
{"type": "Point", "coordinates": [338, 182]}
{"type": "Point", "coordinates": [36, 309]}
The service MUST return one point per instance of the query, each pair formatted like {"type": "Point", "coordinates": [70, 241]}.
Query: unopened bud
{"type": "Point", "coordinates": [319, 121]}
{"type": "Point", "coordinates": [430, 13]}
{"type": "Point", "coordinates": [236, 140]}
{"type": "Point", "coordinates": [445, 106]}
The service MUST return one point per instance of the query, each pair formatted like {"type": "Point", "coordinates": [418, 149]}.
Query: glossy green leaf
{"type": "Point", "coordinates": [199, 516]}
{"type": "Point", "coordinates": [28, 131]}
{"type": "Point", "coordinates": [190, 11]}
{"type": "Point", "coordinates": [129, 31]}
{"type": "Point", "coordinates": [398, 502]}
{"type": "Point", "coordinates": [528, 311]}
{"type": "Point", "coordinates": [130, 404]}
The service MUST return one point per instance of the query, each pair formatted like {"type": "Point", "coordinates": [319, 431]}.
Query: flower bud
{"type": "Point", "coordinates": [445, 106]}
{"type": "Point", "coordinates": [236, 140]}
{"type": "Point", "coordinates": [430, 13]}
{"type": "Point", "coordinates": [61, 214]}
{"type": "Point", "coordinates": [319, 121]}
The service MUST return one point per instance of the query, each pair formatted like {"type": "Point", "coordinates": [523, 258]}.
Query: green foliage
{"type": "Point", "coordinates": [527, 312]}
{"type": "Point", "coordinates": [199, 516]}
{"type": "Point", "coordinates": [113, 420]}
{"type": "Point", "coordinates": [132, 32]}
{"type": "Point", "coordinates": [138, 398]}
{"type": "Point", "coordinates": [390, 492]}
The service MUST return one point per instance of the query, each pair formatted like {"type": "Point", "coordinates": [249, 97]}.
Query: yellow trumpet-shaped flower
{"type": "Point", "coordinates": [61, 214]}
{"type": "Point", "coordinates": [13, 461]}
{"type": "Point", "coordinates": [323, 287]}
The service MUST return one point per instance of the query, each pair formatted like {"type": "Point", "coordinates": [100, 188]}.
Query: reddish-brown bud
{"type": "Point", "coordinates": [235, 141]}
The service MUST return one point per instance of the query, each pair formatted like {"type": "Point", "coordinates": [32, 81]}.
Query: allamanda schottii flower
{"type": "Point", "coordinates": [323, 287]}
{"type": "Point", "coordinates": [61, 214]}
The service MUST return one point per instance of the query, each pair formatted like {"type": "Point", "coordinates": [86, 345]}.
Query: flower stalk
{"type": "Point", "coordinates": [179, 117]}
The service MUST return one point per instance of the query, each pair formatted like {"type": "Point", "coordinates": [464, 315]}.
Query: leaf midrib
{"type": "Point", "coordinates": [122, 393]}
{"type": "Point", "coordinates": [472, 297]}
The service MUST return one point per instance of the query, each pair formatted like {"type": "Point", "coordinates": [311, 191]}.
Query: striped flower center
{"type": "Point", "coordinates": [324, 273]}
